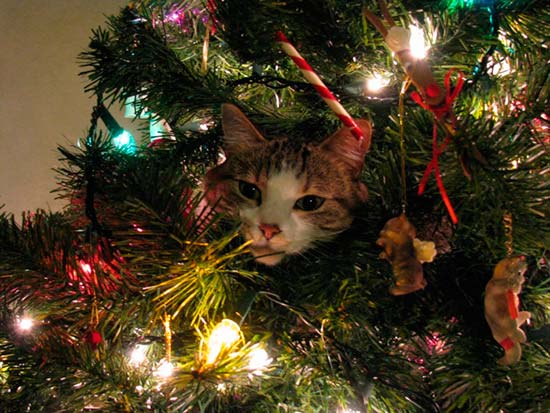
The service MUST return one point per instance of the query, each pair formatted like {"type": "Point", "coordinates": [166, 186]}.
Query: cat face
{"type": "Point", "coordinates": [287, 196]}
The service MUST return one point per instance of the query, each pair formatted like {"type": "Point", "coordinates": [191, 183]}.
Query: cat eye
{"type": "Point", "coordinates": [250, 191]}
{"type": "Point", "coordinates": [309, 203]}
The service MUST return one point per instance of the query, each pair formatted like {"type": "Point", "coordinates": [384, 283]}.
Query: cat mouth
{"type": "Point", "coordinates": [266, 255]}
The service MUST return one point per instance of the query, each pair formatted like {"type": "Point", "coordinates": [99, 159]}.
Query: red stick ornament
{"type": "Point", "coordinates": [318, 84]}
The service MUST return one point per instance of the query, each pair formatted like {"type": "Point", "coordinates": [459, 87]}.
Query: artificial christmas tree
{"type": "Point", "coordinates": [143, 296]}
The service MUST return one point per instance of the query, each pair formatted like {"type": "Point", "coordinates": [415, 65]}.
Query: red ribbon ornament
{"type": "Point", "coordinates": [440, 112]}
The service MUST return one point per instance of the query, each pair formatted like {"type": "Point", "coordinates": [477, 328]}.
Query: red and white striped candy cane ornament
{"type": "Point", "coordinates": [318, 84]}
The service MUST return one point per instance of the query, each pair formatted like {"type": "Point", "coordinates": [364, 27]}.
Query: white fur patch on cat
{"type": "Point", "coordinates": [279, 196]}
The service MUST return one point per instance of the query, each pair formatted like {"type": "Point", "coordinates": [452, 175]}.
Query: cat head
{"type": "Point", "coordinates": [287, 195]}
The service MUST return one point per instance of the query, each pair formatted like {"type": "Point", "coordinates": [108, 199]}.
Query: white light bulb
{"type": "Point", "coordinates": [347, 410]}
{"type": "Point", "coordinates": [417, 42]}
{"type": "Point", "coordinates": [499, 66]}
{"type": "Point", "coordinates": [138, 355]}
{"type": "Point", "coordinates": [25, 324]}
{"type": "Point", "coordinates": [258, 360]}
{"type": "Point", "coordinates": [377, 82]}
{"type": "Point", "coordinates": [87, 268]}
{"type": "Point", "coordinates": [165, 369]}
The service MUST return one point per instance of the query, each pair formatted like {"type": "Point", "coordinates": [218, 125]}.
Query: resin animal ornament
{"type": "Point", "coordinates": [405, 254]}
{"type": "Point", "coordinates": [417, 69]}
{"type": "Point", "coordinates": [502, 307]}
{"type": "Point", "coordinates": [287, 195]}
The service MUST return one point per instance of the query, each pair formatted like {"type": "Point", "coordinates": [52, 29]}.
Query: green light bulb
{"type": "Point", "coordinates": [125, 142]}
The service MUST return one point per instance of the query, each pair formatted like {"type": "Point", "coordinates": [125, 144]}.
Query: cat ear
{"type": "Point", "coordinates": [348, 148]}
{"type": "Point", "coordinates": [239, 132]}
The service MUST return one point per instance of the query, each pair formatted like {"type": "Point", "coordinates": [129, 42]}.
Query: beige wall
{"type": "Point", "coordinates": [42, 101]}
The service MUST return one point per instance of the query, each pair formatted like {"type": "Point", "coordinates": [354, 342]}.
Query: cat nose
{"type": "Point", "coordinates": [269, 230]}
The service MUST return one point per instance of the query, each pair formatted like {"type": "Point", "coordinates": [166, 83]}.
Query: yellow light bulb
{"type": "Point", "coordinates": [223, 336]}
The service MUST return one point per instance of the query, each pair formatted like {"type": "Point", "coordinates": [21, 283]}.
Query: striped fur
{"type": "Point", "coordinates": [275, 182]}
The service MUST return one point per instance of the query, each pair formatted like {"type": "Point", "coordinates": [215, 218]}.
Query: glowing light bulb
{"type": "Point", "coordinates": [498, 65]}
{"type": "Point", "coordinates": [165, 369]}
{"type": "Point", "coordinates": [515, 163]}
{"type": "Point", "coordinates": [87, 268]}
{"type": "Point", "coordinates": [25, 324]}
{"type": "Point", "coordinates": [417, 43]}
{"type": "Point", "coordinates": [223, 336]}
{"type": "Point", "coordinates": [138, 228]}
{"type": "Point", "coordinates": [258, 360]}
{"type": "Point", "coordinates": [121, 139]}
{"type": "Point", "coordinates": [377, 82]}
{"type": "Point", "coordinates": [125, 141]}
{"type": "Point", "coordinates": [347, 410]}
{"type": "Point", "coordinates": [138, 355]}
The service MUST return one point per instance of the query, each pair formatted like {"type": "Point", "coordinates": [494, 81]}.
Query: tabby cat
{"type": "Point", "coordinates": [287, 195]}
